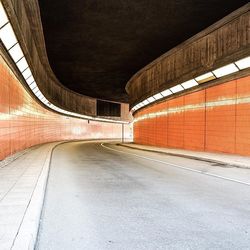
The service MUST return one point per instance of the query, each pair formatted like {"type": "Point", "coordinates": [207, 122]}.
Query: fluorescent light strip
{"type": "Point", "coordinates": [16, 53]}
{"type": "Point", "coordinates": [158, 96]}
{"type": "Point", "coordinates": [30, 80]}
{"type": "Point", "coordinates": [243, 63]}
{"type": "Point", "coordinates": [145, 102]}
{"type": "Point", "coordinates": [22, 64]}
{"type": "Point", "coordinates": [166, 92]}
{"type": "Point", "coordinates": [225, 70]}
{"type": "Point", "coordinates": [26, 73]}
{"type": "Point", "coordinates": [177, 88]}
{"type": "Point", "coordinates": [151, 99]}
{"type": "Point", "coordinates": [3, 16]}
{"type": "Point", "coordinates": [189, 84]}
{"type": "Point", "coordinates": [205, 77]}
{"type": "Point", "coordinates": [33, 85]}
{"type": "Point", "coordinates": [11, 44]}
{"type": "Point", "coordinates": [38, 93]}
{"type": "Point", "coordinates": [7, 36]}
{"type": "Point", "coordinates": [35, 89]}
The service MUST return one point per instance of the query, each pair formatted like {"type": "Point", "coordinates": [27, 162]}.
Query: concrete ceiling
{"type": "Point", "coordinates": [94, 47]}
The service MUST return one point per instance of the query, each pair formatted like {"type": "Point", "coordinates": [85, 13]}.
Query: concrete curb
{"type": "Point", "coordinates": [238, 165]}
{"type": "Point", "coordinates": [26, 237]}
{"type": "Point", "coordinates": [27, 233]}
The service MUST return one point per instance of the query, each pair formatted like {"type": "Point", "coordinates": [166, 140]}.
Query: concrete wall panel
{"type": "Point", "coordinates": [215, 119]}
{"type": "Point", "coordinates": [243, 116]}
{"type": "Point", "coordinates": [24, 123]}
{"type": "Point", "coordinates": [220, 118]}
{"type": "Point", "coordinates": [194, 121]}
{"type": "Point", "coordinates": [176, 123]}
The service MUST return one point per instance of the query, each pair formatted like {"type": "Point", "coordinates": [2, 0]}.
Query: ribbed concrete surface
{"type": "Point", "coordinates": [102, 199]}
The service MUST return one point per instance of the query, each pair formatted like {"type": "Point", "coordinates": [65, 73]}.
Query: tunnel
{"type": "Point", "coordinates": [124, 125]}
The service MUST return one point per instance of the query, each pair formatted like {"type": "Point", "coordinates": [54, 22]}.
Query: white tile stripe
{"type": "Point", "coordinates": [212, 104]}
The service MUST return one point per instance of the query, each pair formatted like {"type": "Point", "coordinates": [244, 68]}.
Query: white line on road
{"type": "Point", "coordinates": [178, 166]}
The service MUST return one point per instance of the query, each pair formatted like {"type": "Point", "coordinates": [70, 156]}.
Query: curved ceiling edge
{"type": "Point", "coordinates": [25, 19]}
{"type": "Point", "coordinates": [220, 44]}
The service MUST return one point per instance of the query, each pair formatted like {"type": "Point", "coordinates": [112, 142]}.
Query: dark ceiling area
{"type": "Point", "coordinates": [95, 46]}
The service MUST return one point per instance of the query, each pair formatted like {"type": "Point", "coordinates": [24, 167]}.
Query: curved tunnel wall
{"type": "Point", "coordinates": [24, 122]}
{"type": "Point", "coordinates": [218, 45]}
{"type": "Point", "coordinates": [214, 119]}
{"type": "Point", "coordinates": [25, 19]}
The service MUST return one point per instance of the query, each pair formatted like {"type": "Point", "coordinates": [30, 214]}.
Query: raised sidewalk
{"type": "Point", "coordinates": [219, 158]}
{"type": "Point", "coordinates": [22, 188]}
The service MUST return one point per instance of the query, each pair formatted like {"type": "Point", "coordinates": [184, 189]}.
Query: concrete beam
{"type": "Point", "coordinates": [26, 22]}
{"type": "Point", "coordinates": [224, 42]}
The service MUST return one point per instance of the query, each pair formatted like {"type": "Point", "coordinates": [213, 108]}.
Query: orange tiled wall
{"type": "Point", "coordinates": [23, 122]}
{"type": "Point", "coordinates": [215, 119]}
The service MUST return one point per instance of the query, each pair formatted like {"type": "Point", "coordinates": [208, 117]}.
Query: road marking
{"type": "Point", "coordinates": [178, 166]}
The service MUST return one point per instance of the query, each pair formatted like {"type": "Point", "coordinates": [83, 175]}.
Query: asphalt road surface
{"type": "Point", "coordinates": [108, 197]}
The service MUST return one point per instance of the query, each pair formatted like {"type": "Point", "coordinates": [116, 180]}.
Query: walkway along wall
{"type": "Point", "coordinates": [214, 119]}
{"type": "Point", "coordinates": [24, 123]}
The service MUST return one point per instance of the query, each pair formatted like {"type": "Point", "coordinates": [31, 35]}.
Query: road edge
{"type": "Point", "coordinates": [200, 158]}
{"type": "Point", "coordinates": [28, 231]}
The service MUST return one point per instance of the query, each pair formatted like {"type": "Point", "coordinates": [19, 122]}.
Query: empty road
{"type": "Point", "coordinates": [108, 197]}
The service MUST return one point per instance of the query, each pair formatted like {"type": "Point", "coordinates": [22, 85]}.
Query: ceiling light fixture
{"type": "Point", "coordinates": [7, 36]}
{"type": "Point", "coordinates": [30, 80]}
{"type": "Point", "coordinates": [217, 73]}
{"type": "Point", "coordinates": [166, 92]}
{"type": "Point", "coordinates": [189, 84]}
{"type": "Point", "coordinates": [33, 85]}
{"type": "Point", "coordinates": [225, 70]}
{"type": "Point", "coordinates": [177, 88]}
{"type": "Point", "coordinates": [22, 64]}
{"type": "Point", "coordinates": [243, 63]}
{"type": "Point", "coordinates": [151, 99]}
{"type": "Point", "coordinates": [16, 53]}
{"type": "Point", "coordinates": [26, 73]}
{"type": "Point", "coordinates": [158, 96]}
{"type": "Point", "coordinates": [35, 89]}
{"type": "Point", "coordinates": [205, 77]}
{"type": "Point", "coordinates": [3, 16]}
